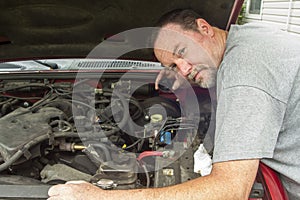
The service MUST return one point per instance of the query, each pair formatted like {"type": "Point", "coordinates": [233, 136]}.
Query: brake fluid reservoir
{"type": "Point", "coordinates": [156, 118]}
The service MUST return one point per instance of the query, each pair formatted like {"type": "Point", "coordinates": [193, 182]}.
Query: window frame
{"type": "Point", "coordinates": [251, 15]}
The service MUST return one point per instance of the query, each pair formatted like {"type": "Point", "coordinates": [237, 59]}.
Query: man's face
{"type": "Point", "coordinates": [188, 53]}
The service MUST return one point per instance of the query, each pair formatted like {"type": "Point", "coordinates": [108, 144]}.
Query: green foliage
{"type": "Point", "coordinates": [241, 17]}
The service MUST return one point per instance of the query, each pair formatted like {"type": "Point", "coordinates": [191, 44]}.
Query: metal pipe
{"type": "Point", "coordinates": [78, 147]}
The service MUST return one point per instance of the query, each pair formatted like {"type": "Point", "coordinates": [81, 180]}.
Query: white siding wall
{"type": "Point", "coordinates": [283, 13]}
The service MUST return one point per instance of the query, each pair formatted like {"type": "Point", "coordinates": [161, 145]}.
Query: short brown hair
{"type": "Point", "coordinates": [186, 18]}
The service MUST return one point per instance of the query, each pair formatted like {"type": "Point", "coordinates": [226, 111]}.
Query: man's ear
{"type": "Point", "coordinates": [204, 27]}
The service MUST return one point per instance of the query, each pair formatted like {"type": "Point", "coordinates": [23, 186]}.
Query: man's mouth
{"type": "Point", "coordinates": [203, 75]}
{"type": "Point", "coordinates": [195, 74]}
{"type": "Point", "coordinates": [198, 77]}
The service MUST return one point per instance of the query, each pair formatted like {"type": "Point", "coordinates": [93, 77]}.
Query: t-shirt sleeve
{"type": "Point", "coordinates": [248, 121]}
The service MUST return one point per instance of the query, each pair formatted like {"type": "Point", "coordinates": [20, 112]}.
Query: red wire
{"type": "Point", "coordinates": [149, 153]}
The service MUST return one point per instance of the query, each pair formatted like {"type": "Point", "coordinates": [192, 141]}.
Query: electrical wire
{"type": "Point", "coordinates": [133, 144]}
{"type": "Point", "coordinates": [146, 173]}
{"type": "Point", "coordinates": [149, 153]}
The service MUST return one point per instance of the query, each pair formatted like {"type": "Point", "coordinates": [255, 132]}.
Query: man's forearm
{"type": "Point", "coordinates": [228, 180]}
{"type": "Point", "coordinates": [200, 188]}
{"type": "Point", "coordinates": [221, 184]}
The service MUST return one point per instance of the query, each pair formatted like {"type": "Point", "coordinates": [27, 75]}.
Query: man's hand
{"type": "Point", "coordinates": [74, 190]}
{"type": "Point", "coordinates": [179, 80]}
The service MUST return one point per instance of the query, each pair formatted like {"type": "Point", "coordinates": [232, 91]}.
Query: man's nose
{"type": "Point", "coordinates": [183, 66]}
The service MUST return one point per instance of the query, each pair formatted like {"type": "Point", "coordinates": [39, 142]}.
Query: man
{"type": "Point", "coordinates": [258, 93]}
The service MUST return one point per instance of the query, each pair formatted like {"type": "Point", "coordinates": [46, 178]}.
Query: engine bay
{"type": "Point", "coordinates": [115, 133]}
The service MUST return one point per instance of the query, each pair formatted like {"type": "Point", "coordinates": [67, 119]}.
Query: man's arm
{"type": "Point", "coordinates": [228, 180]}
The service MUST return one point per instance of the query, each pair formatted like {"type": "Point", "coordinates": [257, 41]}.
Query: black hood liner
{"type": "Point", "coordinates": [72, 28]}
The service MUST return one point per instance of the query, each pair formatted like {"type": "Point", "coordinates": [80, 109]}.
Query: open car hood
{"type": "Point", "coordinates": [52, 29]}
{"type": "Point", "coordinates": [65, 115]}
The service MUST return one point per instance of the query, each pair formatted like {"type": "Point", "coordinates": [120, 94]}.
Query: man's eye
{"type": "Point", "coordinates": [181, 51]}
{"type": "Point", "coordinates": [173, 66]}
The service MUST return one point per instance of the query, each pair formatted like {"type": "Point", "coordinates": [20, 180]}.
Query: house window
{"type": "Point", "coordinates": [254, 7]}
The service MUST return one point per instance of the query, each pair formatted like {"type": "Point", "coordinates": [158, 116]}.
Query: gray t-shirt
{"type": "Point", "coordinates": [258, 93]}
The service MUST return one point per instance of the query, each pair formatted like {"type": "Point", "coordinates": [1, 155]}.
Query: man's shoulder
{"type": "Point", "coordinates": [255, 28]}
{"type": "Point", "coordinates": [261, 59]}
{"type": "Point", "coordinates": [261, 33]}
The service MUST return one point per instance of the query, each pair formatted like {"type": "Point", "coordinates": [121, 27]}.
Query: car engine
{"type": "Point", "coordinates": [110, 132]}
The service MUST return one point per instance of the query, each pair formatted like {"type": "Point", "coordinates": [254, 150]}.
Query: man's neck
{"type": "Point", "coordinates": [220, 39]}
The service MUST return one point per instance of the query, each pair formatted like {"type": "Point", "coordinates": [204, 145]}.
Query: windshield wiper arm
{"type": "Point", "coordinates": [51, 65]}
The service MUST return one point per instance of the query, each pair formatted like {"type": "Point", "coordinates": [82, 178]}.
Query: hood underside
{"type": "Point", "coordinates": [72, 28]}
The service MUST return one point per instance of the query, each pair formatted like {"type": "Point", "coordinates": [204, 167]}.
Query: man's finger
{"type": "Point", "coordinates": [76, 182]}
{"type": "Point", "coordinates": [56, 190]}
{"type": "Point", "coordinates": [176, 84]}
{"type": "Point", "coordinates": [159, 77]}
